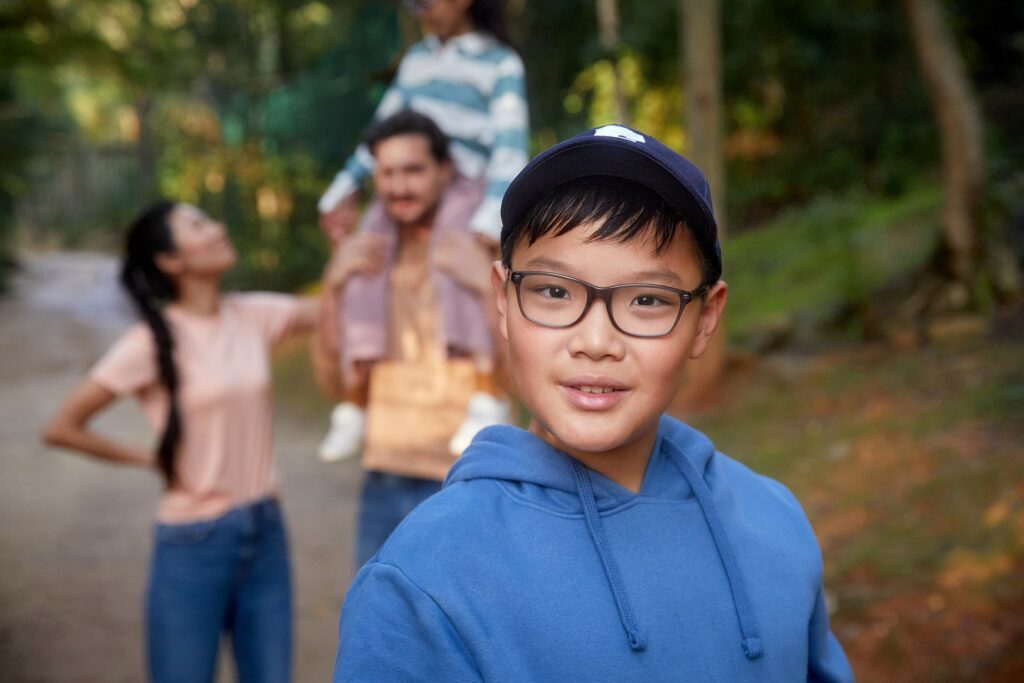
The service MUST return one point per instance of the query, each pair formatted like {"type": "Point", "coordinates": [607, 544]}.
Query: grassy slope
{"type": "Point", "coordinates": [809, 261]}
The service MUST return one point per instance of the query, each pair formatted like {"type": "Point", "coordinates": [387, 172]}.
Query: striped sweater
{"type": "Point", "coordinates": [473, 87]}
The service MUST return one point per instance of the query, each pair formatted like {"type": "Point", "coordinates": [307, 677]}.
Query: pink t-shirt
{"type": "Point", "coordinates": [225, 456]}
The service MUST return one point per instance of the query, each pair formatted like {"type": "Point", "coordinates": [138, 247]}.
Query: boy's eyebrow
{"type": "Point", "coordinates": [662, 275]}
{"type": "Point", "coordinates": [545, 263]}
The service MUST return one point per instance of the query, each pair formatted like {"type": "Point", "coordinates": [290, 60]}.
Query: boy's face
{"type": "Point", "coordinates": [556, 370]}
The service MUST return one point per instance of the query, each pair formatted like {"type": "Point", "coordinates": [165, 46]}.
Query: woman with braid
{"type": "Point", "coordinates": [199, 365]}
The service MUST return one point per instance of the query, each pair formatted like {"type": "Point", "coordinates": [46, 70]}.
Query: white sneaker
{"type": "Point", "coordinates": [484, 410]}
{"type": "Point", "coordinates": [345, 437]}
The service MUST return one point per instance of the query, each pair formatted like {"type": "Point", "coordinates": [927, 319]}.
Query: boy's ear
{"type": "Point", "coordinates": [710, 315]}
{"type": "Point", "coordinates": [498, 286]}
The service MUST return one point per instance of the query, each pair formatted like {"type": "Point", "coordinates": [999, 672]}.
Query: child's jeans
{"type": "Point", "coordinates": [225, 575]}
{"type": "Point", "coordinates": [385, 501]}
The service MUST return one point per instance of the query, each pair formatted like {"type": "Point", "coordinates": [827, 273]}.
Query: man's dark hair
{"type": "Point", "coordinates": [409, 122]}
{"type": "Point", "coordinates": [626, 210]}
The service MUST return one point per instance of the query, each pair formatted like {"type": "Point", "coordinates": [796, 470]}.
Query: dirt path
{"type": "Point", "coordinates": [75, 534]}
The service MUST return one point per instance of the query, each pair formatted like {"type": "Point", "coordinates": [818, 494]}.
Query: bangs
{"type": "Point", "coordinates": [625, 210]}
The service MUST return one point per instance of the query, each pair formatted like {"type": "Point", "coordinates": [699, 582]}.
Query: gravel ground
{"type": "Point", "coordinates": [75, 534]}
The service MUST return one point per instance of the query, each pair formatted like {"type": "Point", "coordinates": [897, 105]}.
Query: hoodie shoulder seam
{"type": "Point", "coordinates": [455, 630]}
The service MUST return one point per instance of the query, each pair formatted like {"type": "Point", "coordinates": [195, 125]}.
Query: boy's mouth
{"type": "Point", "coordinates": [594, 384]}
{"type": "Point", "coordinates": [593, 390]}
{"type": "Point", "coordinates": [593, 393]}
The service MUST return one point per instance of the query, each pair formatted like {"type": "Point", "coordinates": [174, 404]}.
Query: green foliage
{"type": "Point", "coordinates": [557, 40]}
{"type": "Point", "coordinates": [268, 202]}
{"type": "Point", "coordinates": [813, 262]}
{"type": "Point", "coordinates": [27, 29]}
{"type": "Point", "coordinates": [18, 137]}
{"type": "Point", "coordinates": [245, 107]}
{"type": "Point", "coordinates": [820, 96]}
{"type": "Point", "coordinates": [249, 106]}
{"type": "Point", "coordinates": [652, 108]}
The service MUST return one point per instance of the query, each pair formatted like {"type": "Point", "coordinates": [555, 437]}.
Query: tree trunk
{"type": "Point", "coordinates": [284, 45]}
{"type": "Point", "coordinates": [700, 54]}
{"type": "Point", "coordinates": [959, 118]}
{"type": "Point", "coordinates": [145, 152]}
{"type": "Point", "coordinates": [608, 22]}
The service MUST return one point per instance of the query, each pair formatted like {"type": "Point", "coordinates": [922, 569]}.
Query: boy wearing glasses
{"type": "Point", "coordinates": [607, 542]}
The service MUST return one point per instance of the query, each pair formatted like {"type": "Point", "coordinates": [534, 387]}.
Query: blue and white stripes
{"type": "Point", "coordinates": [473, 87]}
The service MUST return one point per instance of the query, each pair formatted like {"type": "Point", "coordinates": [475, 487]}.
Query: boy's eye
{"type": "Point", "coordinates": [553, 292]}
{"type": "Point", "coordinates": [649, 301]}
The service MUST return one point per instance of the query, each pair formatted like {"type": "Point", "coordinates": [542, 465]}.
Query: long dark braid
{"type": "Point", "coordinates": [150, 289]}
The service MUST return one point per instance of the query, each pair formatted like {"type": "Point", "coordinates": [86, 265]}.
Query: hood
{"type": "Point", "coordinates": [518, 457]}
{"type": "Point", "coordinates": [514, 455]}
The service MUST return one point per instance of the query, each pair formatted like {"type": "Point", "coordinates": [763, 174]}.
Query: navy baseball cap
{"type": "Point", "coordinates": [619, 152]}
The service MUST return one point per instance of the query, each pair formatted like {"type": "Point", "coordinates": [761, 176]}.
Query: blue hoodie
{"type": "Point", "coordinates": [528, 566]}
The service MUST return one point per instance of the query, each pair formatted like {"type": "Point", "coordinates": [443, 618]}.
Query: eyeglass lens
{"type": "Point", "coordinates": [642, 310]}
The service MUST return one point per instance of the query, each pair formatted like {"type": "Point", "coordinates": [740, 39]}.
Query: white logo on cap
{"type": "Point", "coordinates": [619, 132]}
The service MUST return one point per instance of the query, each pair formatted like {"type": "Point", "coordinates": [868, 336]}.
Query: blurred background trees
{"type": "Point", "coordinates": [248, 107]}
{"type": "Point", "coordinates": [242, 107]}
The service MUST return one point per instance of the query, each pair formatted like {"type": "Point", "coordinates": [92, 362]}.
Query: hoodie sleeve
{"type": "Point", "coordinates": [827, 661]}
{"type": "Point", "coordinates": [391, 630]}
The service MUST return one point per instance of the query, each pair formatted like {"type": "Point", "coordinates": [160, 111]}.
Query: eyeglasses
{"type": "Point", "coordinates": [638, 310]}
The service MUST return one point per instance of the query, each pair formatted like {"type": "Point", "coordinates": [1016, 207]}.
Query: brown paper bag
{"type": "Point", "coordinates": [414, 410]}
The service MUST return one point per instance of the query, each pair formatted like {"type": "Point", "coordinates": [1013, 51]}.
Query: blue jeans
{"type": "Point", "coordinates": [225, 575]}
{"type": "Point", "coordinates": [385, 501]}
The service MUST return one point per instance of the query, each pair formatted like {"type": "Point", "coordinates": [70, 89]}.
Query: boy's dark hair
{"type": "Point", "coordinates": [409, 122]}
{"type": "Point", "coordinates": [626, 209]}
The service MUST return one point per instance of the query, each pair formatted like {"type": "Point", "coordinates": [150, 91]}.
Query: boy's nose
{"type": "Point", "coordinates": [595, 336]}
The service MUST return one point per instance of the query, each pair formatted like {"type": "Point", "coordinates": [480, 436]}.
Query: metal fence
{"type": "Point", "coordinates": [79, 191]}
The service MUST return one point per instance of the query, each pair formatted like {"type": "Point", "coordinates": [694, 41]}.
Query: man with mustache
{"type": "Point", "coordinates": [412, 285]}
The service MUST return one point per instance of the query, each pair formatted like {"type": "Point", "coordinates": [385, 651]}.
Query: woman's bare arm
{"type": "Point", "coordinates": [324, 355]}
{"type": "Point", "coordinates": [308, 314]}
{"type": "Point", "coordinates": [68, 428]}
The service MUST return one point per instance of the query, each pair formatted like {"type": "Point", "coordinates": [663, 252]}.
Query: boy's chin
{"type": "Point", "coordinates": [585, 441]}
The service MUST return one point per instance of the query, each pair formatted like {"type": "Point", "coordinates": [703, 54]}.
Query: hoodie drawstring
{"type": "Point", "coordinates": [752, 645]}
{"type": "Point", "coordinates": [585, 491]}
